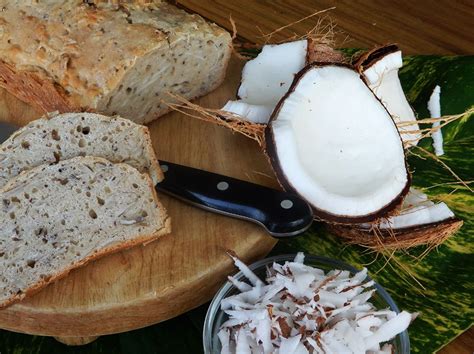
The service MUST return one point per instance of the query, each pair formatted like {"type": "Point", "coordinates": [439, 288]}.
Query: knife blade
{"type": "Point", "coordinates": [282, 214]}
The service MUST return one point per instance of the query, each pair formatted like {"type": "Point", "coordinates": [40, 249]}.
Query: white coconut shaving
{"type": "Point", "coordinates": [434, 106]}
{"type": "Point", "coordinates": [300, 310]}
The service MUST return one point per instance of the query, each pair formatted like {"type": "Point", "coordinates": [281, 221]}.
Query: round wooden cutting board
{"type": "Point", "coordinates": [180, 271]}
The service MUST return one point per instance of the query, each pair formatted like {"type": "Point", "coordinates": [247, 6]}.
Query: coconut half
{"type": "Point", "coordinates": [268, 77]}
{"type": "Point", "coordinates": [421, 221]}
{"type": "Point", "coordinates": [380, 68]}
{"type": "Point", "coordinates": [331, 141]}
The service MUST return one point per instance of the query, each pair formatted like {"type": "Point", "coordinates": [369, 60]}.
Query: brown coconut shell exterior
{"type": "Point", "coordinates": [380, 239]}
{"type": "Point", "coordinates": [323, 53]}
{"type": "Point", "coordinates": [370, 57]}
{"type": "Point", "coordinates": [270, 150]}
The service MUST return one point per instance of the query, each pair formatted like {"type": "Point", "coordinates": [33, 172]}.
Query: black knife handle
{"type": "Point", "coordinates": [282, 214]}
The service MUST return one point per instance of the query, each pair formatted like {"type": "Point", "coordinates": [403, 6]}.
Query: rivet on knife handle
{"type": "Point", "coordinates": [282, 214]}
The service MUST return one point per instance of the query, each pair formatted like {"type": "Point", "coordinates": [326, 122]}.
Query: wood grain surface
{"type": "Point", "coordinates": [464, 344]}
{"type": "Point", "coordinates": [420, 27]}
{"type": "Point", "coordinates": [165, 278]}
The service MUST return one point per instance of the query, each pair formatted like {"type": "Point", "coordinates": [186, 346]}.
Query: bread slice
{"type": "Point", "coordinates": [112, 57]}
{"type": "Point", "coordinates": [55, 218]}
{"type": "Point", "coordinates": [64, 136]}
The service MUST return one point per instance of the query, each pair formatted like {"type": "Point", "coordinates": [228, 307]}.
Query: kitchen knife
{"type": "Point", "coordinates": [282, 214]}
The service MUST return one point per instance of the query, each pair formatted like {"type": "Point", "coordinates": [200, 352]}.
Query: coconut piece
{"type": "Point", "coordinates": [289, 345]}
{"type": "Point", "coordinates": [299, 258]}
{"type": "Point", "coordinates": [386, 331]}
{"type": "Point", "coordinates": [242, 345]}
{"type": "Point", "coordinates": [224, 338]}
{"type": "Point", "coordinates": [282, 321]}
{"type": "Point", "coordinates": [239, 284]}
{"type": "Point", "coordinates": [434, 106]}
{"type": "Point", "coordinates": [246, 270]}
{"type": "Point", "coordinates": [416, 210]}
{"type": "Point", "coordinates": [420, 221]}
{"type": "Point", "coordinates": [255, 113]}
{"type": "Point", "coordinates": [380, 68]}
{"type": "Point", "coordinates": [331, 141]}
{"type": "Point", "coordinates": [266, 78]}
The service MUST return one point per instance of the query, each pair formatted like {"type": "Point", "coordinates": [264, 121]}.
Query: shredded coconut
{"type": "Point", "coordinates": [300, 309]}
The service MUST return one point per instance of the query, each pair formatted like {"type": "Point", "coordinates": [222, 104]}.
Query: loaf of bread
{"type": "Point", "coordinates": [121, 59]}
{"type": "Point", "coordinates": [68, 135]}
{"type": "Point", "coordinates": [55, 218]}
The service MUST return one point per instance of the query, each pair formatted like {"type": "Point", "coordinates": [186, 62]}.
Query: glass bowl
{"type": "Point", "coordinates": [215, 316]}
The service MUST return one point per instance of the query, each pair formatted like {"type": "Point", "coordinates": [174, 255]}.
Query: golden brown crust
{"type": "Point", "coordinates": [145, 239]}
{"type": "Point", "coordinates": [73, 55]}
{"type": "Point", "coordinates": [37, 91]}
{"type": "Point", "coordinates": [429, 234]}
{"type": "Point", "coordinates": [155, 170]}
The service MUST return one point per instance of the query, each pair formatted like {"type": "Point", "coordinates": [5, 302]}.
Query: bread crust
{"type": "Point", "coordinates": [30, 87]}
{"type": "Point", "coordinates": [156, 173]}
{"type": "Point", "coordinates": [166, 229]}
{"type": "Point", "coordinates": [80, 61]}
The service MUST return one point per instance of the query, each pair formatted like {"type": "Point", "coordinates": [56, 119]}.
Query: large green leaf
{"type": "Point", "coordinates": [444, 297]}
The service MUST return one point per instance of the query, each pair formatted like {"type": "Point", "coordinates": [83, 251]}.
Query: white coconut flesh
{"type": "Point", "coordinates": [266, 79]}
{"type": "Point", "coordinates": [337, 146]}
{"type": "Point", "coordinates": [259, 114]}
{"type": "Point", "coordinates": [417, 210]}
{"type": "Point", "coordinates": [434, 107]}
{"type": "Point", "coordinates": [383, 79]}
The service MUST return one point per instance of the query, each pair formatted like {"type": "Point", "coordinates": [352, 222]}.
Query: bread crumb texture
{"type": "Point", "coordinates": [57, 217]}
{"type": "Point", "coordinates": [64, 136]}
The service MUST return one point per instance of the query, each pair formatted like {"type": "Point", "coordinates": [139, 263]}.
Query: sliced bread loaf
{"type": "Point", "coordinates": [55, 218]}
{"type": "Point", "coordinates": [64, 136]}
{"type": "Point", "coordinates": [115, 57]}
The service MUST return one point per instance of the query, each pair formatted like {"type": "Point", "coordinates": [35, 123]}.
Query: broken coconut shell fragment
{"type": "Point", "coordinates": [420, 221]}
{"type": "Point", "coordinates": [266, 78]}
{"type": "Point", "coordinates": [379, 67]}
{"type": "Point", "coordinates": [332, 141]}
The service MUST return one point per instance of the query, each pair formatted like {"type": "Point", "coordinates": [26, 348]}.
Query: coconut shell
{"type": "Point", "coordinates": [270, 150]}
{"type": "Point", "coordinates": [323, 53]}
{"type": "Point", "coordinates": [370, 57]}
{"type": "Point", "coordinates": [365, 60]}
{"type": "Point", "coordinates": [383, 239]}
